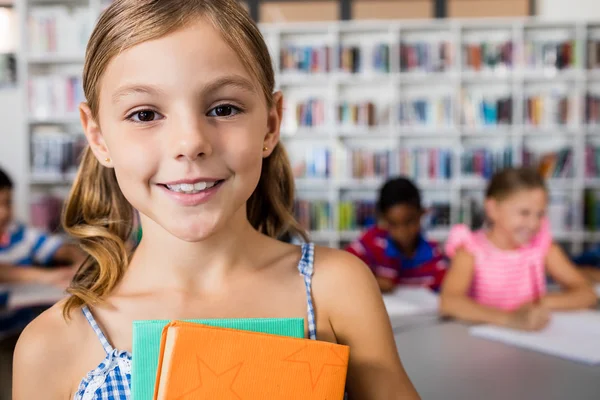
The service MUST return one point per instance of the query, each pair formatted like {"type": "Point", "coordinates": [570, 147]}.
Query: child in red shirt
{"type": "Point", "coordinates": [395, 249]}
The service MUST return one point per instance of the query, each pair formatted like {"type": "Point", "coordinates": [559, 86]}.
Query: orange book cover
{"type": "Point", "coordinates": [201, 362]}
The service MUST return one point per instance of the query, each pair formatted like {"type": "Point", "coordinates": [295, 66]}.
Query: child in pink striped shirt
{"type": "Point", "coordinates": [497, 274]}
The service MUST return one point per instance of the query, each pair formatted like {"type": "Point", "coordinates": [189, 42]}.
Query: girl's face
{"type": "Point", "coordinates": [185, 127]}
{"type": "Point", "coordinates": [519, 216]}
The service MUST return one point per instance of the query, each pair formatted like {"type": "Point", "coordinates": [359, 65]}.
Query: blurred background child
{"type": "Point", "coordinates": [396, 249]}
{"type": "Point", "coordinates": [498, 274]}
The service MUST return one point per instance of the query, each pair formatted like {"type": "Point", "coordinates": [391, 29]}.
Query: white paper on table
{"type": "Point", "coordinates": [411, 301]}
{"type": "Point", "coordinates": [571, 335]}
{"type": "Point", "coordinates": [29, 295]}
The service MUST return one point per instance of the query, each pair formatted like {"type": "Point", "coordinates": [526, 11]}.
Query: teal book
{"type": "Point", "coordinates": [147, 337]}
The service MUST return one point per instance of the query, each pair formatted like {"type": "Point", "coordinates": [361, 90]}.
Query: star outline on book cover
{"type": "Point", "coordinates": [316, 365]}
{"type": "Point", "coordinates": [224, 385]}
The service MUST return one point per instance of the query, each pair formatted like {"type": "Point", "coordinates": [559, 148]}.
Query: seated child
{"type": "Point", "coordinates": [395, 249]}
{"type": "Point", "coordinates": [498, 274]}
{"type": "Point", "coordinates": [26, 253]}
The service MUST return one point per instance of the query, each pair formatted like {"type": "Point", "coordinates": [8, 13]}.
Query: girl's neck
{"type": "Point", "coordinates": [499, 240]}
{"type": "Point", "coordinates": [165, 261]}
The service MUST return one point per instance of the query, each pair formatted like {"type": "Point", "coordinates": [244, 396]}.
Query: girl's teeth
{"type": "Point", "coordinates": [191, 189]}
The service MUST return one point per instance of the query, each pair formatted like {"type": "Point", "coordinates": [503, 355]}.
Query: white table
{"type": "Point", "coordinates": [444, 362]}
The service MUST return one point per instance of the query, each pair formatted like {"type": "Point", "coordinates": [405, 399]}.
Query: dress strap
{"type": "Point", "coordinates": [88, 315]}
{"type": "Point", "coordinates": [306, 268]}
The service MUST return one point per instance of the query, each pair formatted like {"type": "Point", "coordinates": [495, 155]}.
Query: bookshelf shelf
{"type": "Point", "coordinates": [444, 102]}
{"type": "Point", "coordinates": [50, 58]}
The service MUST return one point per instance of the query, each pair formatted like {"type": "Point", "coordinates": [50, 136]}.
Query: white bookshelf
{"type": "Point", "coordinates": [386, 91]}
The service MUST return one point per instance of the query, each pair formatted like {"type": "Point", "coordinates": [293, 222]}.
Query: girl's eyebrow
{"type": "Point", "coordinates": [233, 81]}
{"type": "Point", "coordinates": [132, 89]}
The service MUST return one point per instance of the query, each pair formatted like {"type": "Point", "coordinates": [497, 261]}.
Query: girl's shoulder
{"type": "Point", "coordinates": [461, 237]}
{"type": "Point", "coordinates": [47, 351]}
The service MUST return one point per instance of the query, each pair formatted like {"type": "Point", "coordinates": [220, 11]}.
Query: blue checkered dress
{"type": "Point", "coordinates": [111, 380]}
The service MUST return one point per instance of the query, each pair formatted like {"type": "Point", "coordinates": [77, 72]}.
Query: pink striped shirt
{"type": "Point", "coordinates": [504, 279]}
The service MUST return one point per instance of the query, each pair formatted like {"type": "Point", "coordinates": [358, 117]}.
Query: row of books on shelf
{"type": "Point", "coordinates": [592, 108]}
{"type": "Point", "coordinates": [436, 163]}
{"type": "Point", "coordinates": [437, 111]}
{"type": "Point", "coordinates": [316, 215]}
{"type": "Point", "coordinates": [488, 55]}
{"type": "Point", "coordinates": [436, 56]}
{"type": "Point", "coordinates": [350, 59]}
{"type": "Point", "coordinates": [544, 54]}
{"type": "Point", "coordinates": [59, 29]}
{"type": "Point", "coordinates": [419, 163]}
{"type": "Point", "coordinates": [481, 110]}
{"type": "Point", "coordinates": [426, 56]}
{"type": "Point", "coordinates": [550, 110]}
{"type": "Point", "coordinates": [55, 154]}
{"type": "Point", "coordinates": [54, 95]}
{"type": "Point", "coordinates": [8, 70]}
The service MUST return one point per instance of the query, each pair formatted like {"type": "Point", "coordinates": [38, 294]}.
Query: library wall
{"type": "Point", "coordinates": [299, 11]}
{"type": "Point", "coordinates": [487, 8]}
{"type": "Point", "coordinates": [568, 9]}
{"type": "Point", "coordinates": [390, 9]}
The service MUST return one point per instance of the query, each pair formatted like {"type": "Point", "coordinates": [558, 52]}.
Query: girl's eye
{"type": "Point", "coordinates": [145, 116]}
{"type": "Point", "coordinates": [224, 110]}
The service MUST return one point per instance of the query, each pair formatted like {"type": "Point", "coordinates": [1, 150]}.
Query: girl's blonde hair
{"type": "Point", "coordinates": [96, 212]}
{"type": "Point", "coordinates": [511, 180]}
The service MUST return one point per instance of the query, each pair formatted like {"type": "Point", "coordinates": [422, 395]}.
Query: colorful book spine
{"type": "Point", "coordinates": [357, 114]}
{"type": "Point", "coordinates": [542, 54]}
{"type": "Point", "coordinates": [549, 109]}
{"type": "Point", "coordinates": [488, 55]}
{"type": "Point", "coordinates": [55, 153]}
{"type": "Point", "coordinates": [365, 164]}
{"type": "Point", "coordinates": [592, 109]}
{"type": "Point", "coordinates": [356, 215]}
{"type": "Point", "coordinates": [593, 54]}
{"type": "Point", "coordinates": [58, 29]}
{"type": "Point", "coordinates": [592, 161]}
{"type": "Point", "coordinates": [310, 113]}
{"type": "Point", "coordinates": [313, 215]}
{"type": "Point", "coordinates": [558, 164]}
{"type": "Point", "coordinates": [426, 56]}
{"type": "Point", "coordinates": [315, 163]}
{"type": "Point", "coordinates": [437, 217]}
{"type": "Point", "coordinates": [422, 163]}
{"type": "Point", "coordinates": [485, 162]}
{"type": "Point", "coordinates": [426, 112]}
{"type": "Point", "coordinates": [45, 212]}
{"type": "Point", "coordinates": [55, 96]}
{"type": "Point", "coordinates": [486, 111]}
{"type": "Point", "coordinates": [305, 59]}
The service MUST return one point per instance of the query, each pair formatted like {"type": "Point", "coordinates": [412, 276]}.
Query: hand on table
{"type": "Point", "coordinates": [530, 317]}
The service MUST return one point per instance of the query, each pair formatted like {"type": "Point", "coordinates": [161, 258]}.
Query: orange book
{"type": "Point", "coordinates": [202, 362]}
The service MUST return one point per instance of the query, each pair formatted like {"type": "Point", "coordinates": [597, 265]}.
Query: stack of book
{"type": "Point", "coordinates": [356, 215]}
{"type": "Point", "coordinates": [54, 153]}
{"type": "Point", "coordinates": [558, 164]}
{"type": "Point", "coordinates": [357, 114]}
{"type": "Point", "coordinates": [544, 54]}
{"type": "Point", "coordinates": [305, 59]}
{"type": "Point", "coordinates": [313, 215]}
{"type": "Point", "coordinates": [55, 96]}
{"type": "Point", "coordinates": [58, 29]}
{"type": "Point", "coordinates": [488, 56]}
{"type": "Point", "coordinates": [479, 110]}
{"type": "Point", "coordinates": [426, 112]}
{"type": "Point", "coordinates": [485, 162]}
{"type": "Point", "coordinates": [426, 56]}
{"type": "Point", "coordinates": [549, 110]}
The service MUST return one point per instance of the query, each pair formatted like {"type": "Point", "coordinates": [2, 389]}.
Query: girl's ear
{"type": "Point", "coordinates": [94, 136]}
{"type": "Point", "coordinates": [273, 125]}
{"type": "Point", "coordinates": [491, 209]}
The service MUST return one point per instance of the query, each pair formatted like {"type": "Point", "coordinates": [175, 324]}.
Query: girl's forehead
{"type": "Point", "coordinates": [194, 54]}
